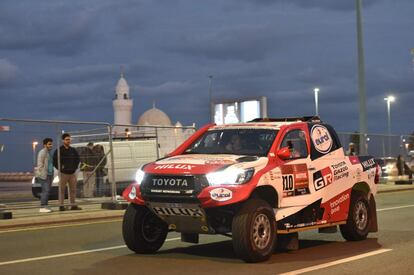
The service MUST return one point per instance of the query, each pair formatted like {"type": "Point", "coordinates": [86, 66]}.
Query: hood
{"type": "Point", "coordinates": [194, 164]}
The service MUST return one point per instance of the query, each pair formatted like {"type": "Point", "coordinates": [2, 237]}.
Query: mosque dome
{"type": "Point", "coordinates": [154, 116]}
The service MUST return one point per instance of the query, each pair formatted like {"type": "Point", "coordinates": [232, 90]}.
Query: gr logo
{"type": "Point", "coordinates": [322, 178]}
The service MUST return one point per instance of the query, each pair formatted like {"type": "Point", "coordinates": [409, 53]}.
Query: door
{"type": "Point", "coordinates": [294, 170]}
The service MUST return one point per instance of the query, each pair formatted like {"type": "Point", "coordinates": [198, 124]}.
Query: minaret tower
{"type": "Point", "coordinates": [122, 104]}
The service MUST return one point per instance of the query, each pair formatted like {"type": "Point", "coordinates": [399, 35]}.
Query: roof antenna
{"type": "Point", "coordinates": [153, 104]}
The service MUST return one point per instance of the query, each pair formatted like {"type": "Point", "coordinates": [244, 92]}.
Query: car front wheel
{"type": "Point", "coordinates": [142, 230]}
{"type": "Point", "coordinates": [254, 231]}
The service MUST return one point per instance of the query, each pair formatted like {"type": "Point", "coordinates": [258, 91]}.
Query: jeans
{"type": "Point", "coordinates": [44, 196]}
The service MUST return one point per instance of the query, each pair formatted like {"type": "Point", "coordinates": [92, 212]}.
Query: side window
{"type": "Point", "coordinates": [295, 140]}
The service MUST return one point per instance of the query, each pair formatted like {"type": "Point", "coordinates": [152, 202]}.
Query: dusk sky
{"type": "Point", "coordinates": [61, 59]}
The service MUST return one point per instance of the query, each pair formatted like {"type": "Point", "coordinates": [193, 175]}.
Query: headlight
{"type": "Point", "coordinates": [139, 176]}
{"type": "Point", "coordinates": [230, 176]}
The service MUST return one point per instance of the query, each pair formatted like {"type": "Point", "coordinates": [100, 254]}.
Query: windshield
{"type": "Point", "coordinates": [253, 142]}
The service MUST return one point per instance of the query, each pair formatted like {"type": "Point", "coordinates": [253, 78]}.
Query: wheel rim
{"type": "Point", "coordinates": [151, 228]}
{"type": "Point", "coordinates": [361, 216]}
{"type": "Point", "coordinates": [261, 231]}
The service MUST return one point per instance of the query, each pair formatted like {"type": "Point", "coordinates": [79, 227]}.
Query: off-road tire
{"type": "Point", "coordinates": [357, 225]}
{"type": "Point", "coordinates": [254, 231]}
{"type": "Point", "coordinates": [142, 230]}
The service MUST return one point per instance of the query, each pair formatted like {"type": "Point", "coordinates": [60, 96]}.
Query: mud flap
{"type": "Point", "coordinates": [189, 237]}
{"type": "Point", "coordinates": [373, 225]}
{"type": "Point", "coordinates": [288, 242]}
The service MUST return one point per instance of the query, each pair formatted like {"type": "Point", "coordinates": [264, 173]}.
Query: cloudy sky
{"type": "Point", "coordinates": [61, 59]}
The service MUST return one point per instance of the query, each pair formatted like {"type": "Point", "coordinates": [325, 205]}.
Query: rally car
{"type": "Point", "coordinates": [259, 182]}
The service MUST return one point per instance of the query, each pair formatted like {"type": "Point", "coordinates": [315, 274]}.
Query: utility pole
{"type": "Point", "coordinates": [361, 82]}
{"type": "Point", "coordinates": [210, 98]}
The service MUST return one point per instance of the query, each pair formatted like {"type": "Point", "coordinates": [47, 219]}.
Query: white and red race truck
{"type": "Point", "coordinates": [259, 182]}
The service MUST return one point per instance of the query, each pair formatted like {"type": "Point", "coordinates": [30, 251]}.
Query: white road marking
{"type": "Point", "coordinates": [71, 254]}
{"type": "Point", "coordinates": [337, 262]}
{"type": "Point", "coordinates": [396, 207]}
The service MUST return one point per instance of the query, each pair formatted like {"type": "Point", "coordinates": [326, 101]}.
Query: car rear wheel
{"type": "Point", "coordinates": [254, 231]}
{"type": "Point", "coordinates": [357, 225]}
{"type": "Point", "coordinates": [142, 230]}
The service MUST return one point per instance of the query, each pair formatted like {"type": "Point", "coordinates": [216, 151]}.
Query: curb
{"type": "Point", "coordinates": [30, 222]}
{"type": "Point", "coordinates": [408, 188]}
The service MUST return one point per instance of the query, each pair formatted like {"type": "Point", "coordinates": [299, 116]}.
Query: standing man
{"type": "Point", "coordinates": [351, 150]}
{"type": "Point", "coordinates": [88, 167]}
{"type": "Point", "coordinates": [69, 162]}
{"type": "Point", "coordinates": [100, 169]}
{"type": "Point", "coordinates": [44, 173]}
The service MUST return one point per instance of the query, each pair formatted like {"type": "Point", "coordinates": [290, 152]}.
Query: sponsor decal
{"type": "Point", "coordinates": [321, 139]}
{"type": "Point", "coordinates": [336, 204]}
{"type": "Point", "coordinates": [295, 180]}
{"type": "Point", "coordinates": [288, 183]}
{"type": "Point", "coordinates": [170, 182]}
{"type": "Point", "coordinates": [340, 170]}
{"type": "Point", "coordinates": [354, 160]}
{"type": "Point", "coordinates": [176, 211]}
{"type": "Point", "coordinates": [221, 194]}
{"type": "Point", "coordinates": [322, 178]}
{"type": "Point", "coordinates": [164, 191]}
{"type": "Point", "coordinates": [358, 174]}
{"type": "Point", "coordinates": [133, 193]}
{"type": "Point", "coordinates": [371, 174]}
{"type": "Point", "coordinates": [367, 163]}
{"type": "Point", "coordinates": [174, 166]}
{"type": "Point", "coordinates": [292, 226]}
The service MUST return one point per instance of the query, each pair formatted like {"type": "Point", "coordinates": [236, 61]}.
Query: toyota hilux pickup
{"type": "Point", "coordinates": [259, 183]}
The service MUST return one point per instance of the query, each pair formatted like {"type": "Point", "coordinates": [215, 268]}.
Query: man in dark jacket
{"type": "Point", "coordinates": [69, 162]}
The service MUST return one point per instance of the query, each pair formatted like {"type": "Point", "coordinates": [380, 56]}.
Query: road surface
{"type": "Point", "coordinates": [98, 248]}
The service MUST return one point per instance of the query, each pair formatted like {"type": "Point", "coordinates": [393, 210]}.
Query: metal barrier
{"type": "Point", "coordinates": [380, 145]}
{"type": "Point", "coordinates": [107, 166]}
{"type": "Point", "coordinates": [116, 153]}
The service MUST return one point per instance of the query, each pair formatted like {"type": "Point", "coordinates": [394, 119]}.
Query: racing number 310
{"type": "Point", "coordinates": [287, 182]}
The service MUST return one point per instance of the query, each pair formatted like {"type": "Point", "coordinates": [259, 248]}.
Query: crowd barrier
{"type": "Point", "coordinates": [111, 154]}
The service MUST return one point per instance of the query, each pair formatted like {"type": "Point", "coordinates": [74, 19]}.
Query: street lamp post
{"type": "Point", "coordinates": [361, 81]}
{"type": "Point", "coordinates": [34, 144]}
{"type": "Point", "coordinates": [210, 103]}
{"type": "Point", "coordinates": [316, 90]}
{"type": "Point", "coordinates": [389, 99]}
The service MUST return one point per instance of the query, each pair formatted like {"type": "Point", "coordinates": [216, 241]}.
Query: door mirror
{"type": "Point", "coordinates": [284, 153]}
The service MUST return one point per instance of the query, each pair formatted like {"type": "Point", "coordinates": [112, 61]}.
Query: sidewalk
{"type": "Point", "coordinates": [30, 217]}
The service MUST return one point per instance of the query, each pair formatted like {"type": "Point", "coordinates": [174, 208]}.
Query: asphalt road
{"type": "Point", "coordinates": [98, 248]}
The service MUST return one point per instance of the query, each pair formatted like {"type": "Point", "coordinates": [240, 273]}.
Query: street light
{"type": "Point", "coordinates": [34, 144]}
{"type": "Point", "coordinates": [389, 99]}
{"type": "Point", "coordinates": [361, 80]}
{"type": "Point", "coordinates": [316, 90]}
{"type": "Point", "coordinates": [210, 103]}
